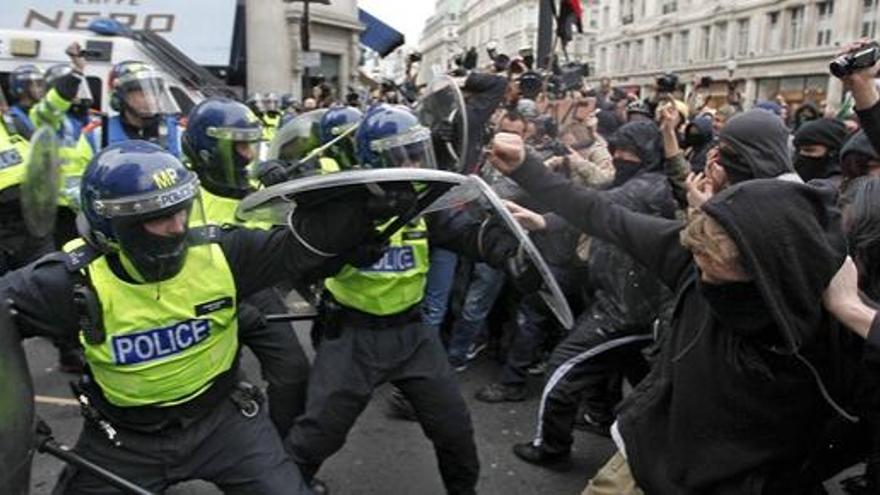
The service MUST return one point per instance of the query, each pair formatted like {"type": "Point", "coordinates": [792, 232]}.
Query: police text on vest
{"type": "Point", "coordinates": [157, 343]}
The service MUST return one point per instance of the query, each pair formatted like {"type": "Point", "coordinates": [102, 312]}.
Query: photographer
{"type": "Point", "coordinates": [864, 91]}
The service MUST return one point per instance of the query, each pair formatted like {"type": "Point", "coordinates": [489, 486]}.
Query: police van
{"type": "Point", "coordinates": [106, 43]}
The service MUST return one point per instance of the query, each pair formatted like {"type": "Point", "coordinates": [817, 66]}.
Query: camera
{"type": "Point", "coordinates": [530, 84]}
{"type": "Point", "coordinates": [414, 57]}
{"type": "Point", "coordinates": [848, 63]}
{"type": "Point", "coordinates": [667, 83]}
{"type": "Point", "coordinates": [568, 77]}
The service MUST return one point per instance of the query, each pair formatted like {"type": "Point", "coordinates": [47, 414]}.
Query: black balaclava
{"type": "Point", "coordinates": [827, 132]}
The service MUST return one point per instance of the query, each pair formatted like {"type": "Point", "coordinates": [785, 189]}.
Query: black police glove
{"type": "Point", "coordinates": [271, 172]}
{"type": "Point", "coordinates": [367, 253]}
{"type": "Point", "coordinates": [332, 228]}
{"type": "Point", "coordinates": [395, 201]}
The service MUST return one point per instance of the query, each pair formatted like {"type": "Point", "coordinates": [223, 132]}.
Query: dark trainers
{"type": "Point", "coordinates": [540, 457]}
{"type": "Point", "coordinates": [399, 407]}
{"type": "Point", "coordinates": [498, 392]}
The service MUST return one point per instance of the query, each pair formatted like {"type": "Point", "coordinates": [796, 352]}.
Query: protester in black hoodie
{"type": "Point", "coordinates": [752, 145]}
{"type": "Point", "coordinates": [608, 337]}
{"type": "Point", "coordinates": [817, 149]}
{"type": "Point", "coordinates": [728, 406]}
{"type": "Point", "coordinates": [858, 158]}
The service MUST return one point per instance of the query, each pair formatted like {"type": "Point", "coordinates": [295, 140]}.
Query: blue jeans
{"type": "Point", "coordinates": [441, 275]}
{"type": "Point", "coordinates": [485, 286]}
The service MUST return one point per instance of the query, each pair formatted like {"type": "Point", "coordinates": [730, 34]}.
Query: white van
{"type": "Point", "coordinates": [187, 82]}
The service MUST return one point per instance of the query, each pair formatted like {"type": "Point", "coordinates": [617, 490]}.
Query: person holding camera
{"type": "Point", "coordinates": [857, 67]}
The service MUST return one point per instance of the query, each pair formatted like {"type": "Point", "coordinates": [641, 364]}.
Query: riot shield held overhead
{"type": "Point", "coordinates": [437, 190]}
{"type": "Point", "coordinates": [40, 188]}
{"type": "Point", "coordinates": [549, 291]}
{"type": "Point", "coordinates": [442, 110]}
{"type": "Point", "coordinates": [16, 410]}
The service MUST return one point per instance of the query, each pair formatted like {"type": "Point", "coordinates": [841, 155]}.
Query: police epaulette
{"type": "Point", "coordinates": [204, 234]}
{"type": "Point", "coordinates": [79, 258]}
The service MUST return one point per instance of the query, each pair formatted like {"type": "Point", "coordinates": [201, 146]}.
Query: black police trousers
{"type": "Point", "coordinates": [580, 368]}
{"type": "Point", "coordinates": [354, 359]}
{"type": "Point", "coordinates": [238, 454]}
{"type": "Point", "coordinates": [283, 362]}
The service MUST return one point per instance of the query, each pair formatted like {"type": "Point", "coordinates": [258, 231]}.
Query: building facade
{"type": "Point", "coordinates": [512, 24]}
{"type": "Point", "coordinates": [274, 55]}
{"type": "Point", "coordinates": [439, 42]}
{"type": "Point", "coordinates": [767, 48]}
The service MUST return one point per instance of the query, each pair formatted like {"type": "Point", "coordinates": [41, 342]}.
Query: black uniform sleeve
{"type": "Point", "coordinates": [263, 258]}
{"type": "Point", "coordinates": [870, 120]}
{"type": "Point", "coordinates": [650, 240]}
{"type": "Point", "coordinates": [41, 295]}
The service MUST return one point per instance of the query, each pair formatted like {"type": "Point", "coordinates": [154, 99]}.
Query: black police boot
{"type": "Point", "coordinates": [538, 456]}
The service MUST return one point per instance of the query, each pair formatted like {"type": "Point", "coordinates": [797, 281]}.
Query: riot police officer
{"type": "Point", "coordinates": [27, 84]}
{"type": "Point", "coordinates": [372, 326]}
{"type": "Point", "coordinates": [154, 303]}
{"type": "Point", "coordinates": [337, 126]}
{"type": "Point", "coordinates": [220, 143]}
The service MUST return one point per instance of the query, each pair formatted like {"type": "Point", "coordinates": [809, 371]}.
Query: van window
{"type": "Point", "coordinates": [184, 102]}
{"type": "Point", "coordinates": [95, 86]}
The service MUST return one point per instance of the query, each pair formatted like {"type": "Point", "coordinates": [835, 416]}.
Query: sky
{"type": "Point", "coordinates": [406, 16]}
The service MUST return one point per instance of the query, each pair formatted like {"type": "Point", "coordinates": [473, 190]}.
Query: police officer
{"type": "Point", "coordinates": [338, 125]}
{"type": "Point", "coordinates": [18, 246]}
{"type": "Point", "coordinates": [373, 331]}
{"type": "Point", "coordinates": [66, 107]}
{"type": "Point", "coordinates": [294, 143]}
{"type": "Point", "coordinates": [154, 303]}
{"type": "Point", "coordinates": [220, 143]}
{"type": "Point", "coordinates": [27, 84]}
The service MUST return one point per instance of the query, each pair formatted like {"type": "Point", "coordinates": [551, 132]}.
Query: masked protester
{"type": "Point", "coordinates": [747, 340]}
{"type": "Point", "coordinates": [609, 336]}
{"type": "Point", "coordinates": [817, 149]}
{"type": "Point", "coordinates": [857, 158]}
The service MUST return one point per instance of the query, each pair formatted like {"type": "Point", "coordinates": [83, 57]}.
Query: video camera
{"type": "Point", "coordinates": [414, 57]}
{"type": "Point", "coordinates": [851, 62]}
{"type": "Point", "coordinates": [568, 77]}
{"type": "Point", "coordinates": [667, 83]}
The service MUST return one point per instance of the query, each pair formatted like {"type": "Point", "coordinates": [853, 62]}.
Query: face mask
{"type": "Point", "coordinates": [738, 306]}
{"type": "Point", "coordinates": [624, 170]}
{"type": "Point", "coordinates": [812, 167]}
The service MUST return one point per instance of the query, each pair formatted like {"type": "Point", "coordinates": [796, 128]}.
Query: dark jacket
{"type": "Point", "coordinates": [720, 413]}
{"type": "Point", "coordinates": [870, 120]}
{"type": "Point", "coordinates": [485, 92]}
{"type": "Point", "coordinates": [627, 297]}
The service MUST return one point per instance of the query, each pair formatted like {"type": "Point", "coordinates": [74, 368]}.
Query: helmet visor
{"type": "Point", "coordinates": [146, 94]}
{"type": "Point", "coordinates": [412, 149]}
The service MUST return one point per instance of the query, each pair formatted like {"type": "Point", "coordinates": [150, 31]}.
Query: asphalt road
{"type": "Point", "coordinates": [382, 456]}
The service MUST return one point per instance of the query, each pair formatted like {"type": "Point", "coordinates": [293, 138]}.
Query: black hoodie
{"type": "Point", "coordinates": [719, 413]}
{"type": "Point", "coordinates": [761, 140]}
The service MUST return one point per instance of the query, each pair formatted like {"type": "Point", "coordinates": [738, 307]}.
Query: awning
{"type": "Point", "coordinates": [378, 36]}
